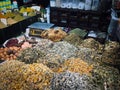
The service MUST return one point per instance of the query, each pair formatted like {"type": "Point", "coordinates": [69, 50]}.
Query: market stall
{"type": "Point", "coordinates": [45, 56]}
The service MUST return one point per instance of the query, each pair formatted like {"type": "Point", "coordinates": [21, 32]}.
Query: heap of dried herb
{"type": "Point", "coordinates": [73, 39]}
{"type": "Point", "coordinates": [106, 76]}
{"type": "Point", "coordinates": [111, 53]}
{"type": "Point", "coordinates": [30, 55]}
{"type": "Point", "coordinates": [73, 81]}
{"type": "Point", "coordinates": [76, 65]}
{"type": "Point", "coordinates": [16, 75]}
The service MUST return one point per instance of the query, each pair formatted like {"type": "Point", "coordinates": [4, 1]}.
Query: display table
{"type": "Point", "coordinates": [17, 28]}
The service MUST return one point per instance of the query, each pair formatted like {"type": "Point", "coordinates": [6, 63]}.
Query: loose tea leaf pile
{"type": "Point", "coordinates": [92, 44]}
{"type": "Point", "coordinates": [52, 61]}
{"type": "Point", "coordinates": [73, 39]}
{"type": "Point", "coordinates": [105, 74]}
{"type": "Point", "coordinates": [110, 53]}
{"type": "Point", "coordinates": [86, 54]}
{"type": "Point", "coordinates": [30, 55]}
{"type": "Point", "coordinates": [62, 49]}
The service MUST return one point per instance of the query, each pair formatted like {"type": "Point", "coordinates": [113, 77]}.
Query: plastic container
{"type": "Point", "coordinates": [14, 5]}
{"type": "Point", "coordinates": [88, 4]}
{"type": "Point", "coordinates": [75, 4]}
{"type": "Point", "coordinates": [95, 5]}
{"type": "Point", "coordinates": [58, 3]}
{"type": "Point", "coordinates": [63, 3]}
{"type": "Point", "coordinates": [81, 5]}
{"type": "Point", "coordinates": [69, 4]}
{"type": "Point", "coordinates": [52, 3]}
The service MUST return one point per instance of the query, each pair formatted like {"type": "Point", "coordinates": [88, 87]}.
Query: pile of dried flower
{"type": "Point", "coordinates": [17, 75]}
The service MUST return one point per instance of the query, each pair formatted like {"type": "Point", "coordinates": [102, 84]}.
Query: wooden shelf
{"type": "Point", "coordinates": [85, 19]}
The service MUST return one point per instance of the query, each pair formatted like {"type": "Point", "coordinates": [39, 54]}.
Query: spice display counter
{"type": "Point", "coordinates": [17, 28]}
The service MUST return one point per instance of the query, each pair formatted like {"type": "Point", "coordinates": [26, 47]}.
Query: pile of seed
{"type": "Point", "coordinates": [72, 81]}
{"type": "Point", "coordinates": [16, 75]}
{"type": "Point", "coordinates": [77, 65]}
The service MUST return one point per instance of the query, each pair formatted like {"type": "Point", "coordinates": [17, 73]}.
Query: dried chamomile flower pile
{"type": "Point", "coordinates": [76, 65]}
{"type": "Point", "coordinates": [86, 54]}
{"type": "Point", "coordinates": [38, 75]}
{"type": "Point", "coordinates": [52, 61]}
{"type": "Point", "coordinates": [63, 49]}
{"type": "Point", "coordinates": [92, 44]}
{"type": "Point", "coordinates": [17, 75]}
{"type": "Point", "coordinates": [110, 53]}
{"type": "Point", "coordinates": [44, 45]}
{"type": "Point", "coordinates": [11, 78]}
{"type": "Point", "coordinates": [106, 75]}
{"type": "Point", "coordinates": [30, 55]}
{"type": "Point", "coordinates": [73, 81]}
{"type": "Point", "coordinates": [73, 39]}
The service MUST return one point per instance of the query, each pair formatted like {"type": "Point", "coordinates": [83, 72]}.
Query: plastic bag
{"type": "Point", "coordinates": [112, 28]}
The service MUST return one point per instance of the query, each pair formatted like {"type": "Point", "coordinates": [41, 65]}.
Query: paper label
{"type": "Point", "coordinates": [3, 20]}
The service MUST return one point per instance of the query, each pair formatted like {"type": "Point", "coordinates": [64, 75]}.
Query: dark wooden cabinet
{"type": "Point", "coordinates": [84, 19]}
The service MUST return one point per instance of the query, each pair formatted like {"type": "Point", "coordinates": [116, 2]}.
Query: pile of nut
{"type": "Point", "coordinates": [9, 53]}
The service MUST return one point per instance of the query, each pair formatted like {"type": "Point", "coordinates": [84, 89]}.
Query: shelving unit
{"type": "Point", "coordinates": [85, 19]}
